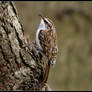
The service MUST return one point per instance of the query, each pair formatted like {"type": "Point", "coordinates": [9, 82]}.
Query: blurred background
{"type": "Point", "coordinates": [73, 22]}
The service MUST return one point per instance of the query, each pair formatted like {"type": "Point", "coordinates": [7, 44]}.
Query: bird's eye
{"type": "Point", "coordinates": [45, 21]}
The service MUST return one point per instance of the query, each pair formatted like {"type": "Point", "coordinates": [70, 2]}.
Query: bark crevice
{"type": "Point", "coordinates": [21, 65]}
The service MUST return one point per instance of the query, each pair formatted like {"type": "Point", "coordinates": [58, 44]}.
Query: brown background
{"type": "Point", "coordinates": [73, 70]}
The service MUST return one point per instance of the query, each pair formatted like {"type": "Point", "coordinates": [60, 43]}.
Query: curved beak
{"type": "Point", "coordinates": [42, 17]}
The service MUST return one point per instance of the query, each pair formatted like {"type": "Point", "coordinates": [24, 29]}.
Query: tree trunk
{"type": "Point", "coordinates": [21, 65]}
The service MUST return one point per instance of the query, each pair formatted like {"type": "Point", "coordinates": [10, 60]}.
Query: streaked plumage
{"type": "Point", "coordinates": [46, 40]}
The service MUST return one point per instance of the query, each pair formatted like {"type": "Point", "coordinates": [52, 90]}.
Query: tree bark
{"type": "Point", "coordinates": [21, 65]}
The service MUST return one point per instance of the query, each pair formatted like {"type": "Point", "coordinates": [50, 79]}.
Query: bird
{"type": "Point", "coordinates": [46, 41]}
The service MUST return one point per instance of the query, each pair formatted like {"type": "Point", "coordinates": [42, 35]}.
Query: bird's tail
{"type": "Point", "coordinates": [46, 73]}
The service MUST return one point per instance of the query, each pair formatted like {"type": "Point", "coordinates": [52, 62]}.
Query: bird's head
{"type": "Point", "coordinates": [46, 23]}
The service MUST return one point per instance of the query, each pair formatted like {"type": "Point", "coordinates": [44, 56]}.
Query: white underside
{"type": "Point", "coordinates": [41, 27]}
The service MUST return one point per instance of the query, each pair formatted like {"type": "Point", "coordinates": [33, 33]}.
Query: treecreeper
{"type": "Point", "coordinates": [46, 41]}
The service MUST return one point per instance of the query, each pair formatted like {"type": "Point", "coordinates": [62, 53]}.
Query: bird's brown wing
{"type": "Point", "coordinates": [48, 41]}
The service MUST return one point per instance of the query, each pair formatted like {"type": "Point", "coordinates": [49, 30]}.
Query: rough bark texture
{"type": "Point", "coordinates": [21, 65]}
